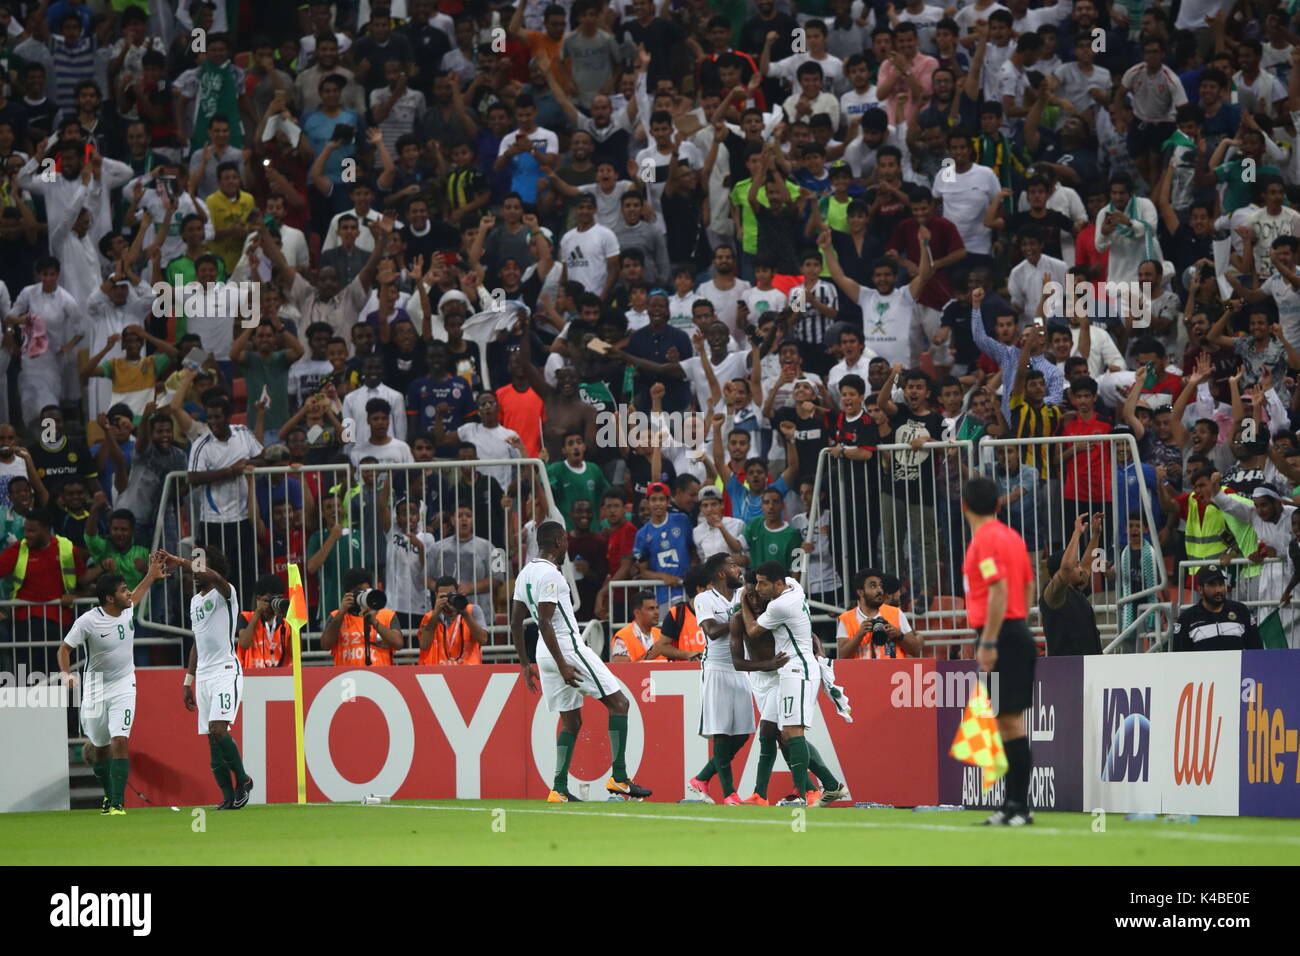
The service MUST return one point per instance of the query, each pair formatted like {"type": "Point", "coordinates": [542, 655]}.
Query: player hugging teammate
{"type": "Point", "coordinates": [768, 634]}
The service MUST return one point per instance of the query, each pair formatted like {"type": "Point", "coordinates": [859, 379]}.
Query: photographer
{"type": "Point", "coordinates": [455, 631]}
{"type": "Point", "coordinates": [264, 638]}
{"type": "Point", "coordinates": [361, 632]}
{"type": "Point", "coordinates": [873, 629]}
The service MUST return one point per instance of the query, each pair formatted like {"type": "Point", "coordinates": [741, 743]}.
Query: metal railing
{"type": "Point", "coordinates": [900, 512]}
{"type": "Point", "coordinates": [1176, 604]}
{"type": "Point", "coordinates": [289, 512]}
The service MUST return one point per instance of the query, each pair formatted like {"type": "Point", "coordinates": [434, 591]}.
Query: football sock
{"type": "Point", "coordinates": [618, 745]}
{"type": "Point", "coordinates": [117, 771]}
{"type": "Point", "coordinates": [820, 770]}
{"type": "Point", "coordinates": [797, 748]}
{"type": "Point", "coordinates": [220, 772]}
{"type": "Point", "coordinates": [1019, 765]}
{"type": "Point", "coordinates": [100, 769]}
{"type": "Point", "coordinates": [230, 752]}
{"type": "Point", "coordinates": [705, 775]}
{"type": "Point", "coordinates": [766, 760]}
{"type": "Point", "coordinates": [563, 754]}
{"type": "Point", "coordinates": [723, 751]}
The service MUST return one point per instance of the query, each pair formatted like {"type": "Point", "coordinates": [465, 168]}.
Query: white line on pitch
{"type": "Point", "coordinates": [862, 825]}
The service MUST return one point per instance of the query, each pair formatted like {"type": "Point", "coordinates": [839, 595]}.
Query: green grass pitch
{"type": "Point", "coordinates": [530, 832]}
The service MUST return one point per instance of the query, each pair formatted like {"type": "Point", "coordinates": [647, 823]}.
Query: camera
{"type": "Point", "coordinates": [279, 606]}
{"type": "Point", "coordinates": [370, 599]}
{"type": "Point", "coordinates": [457, 601]}
{"type": "Point", "coordinates": [880, 637]}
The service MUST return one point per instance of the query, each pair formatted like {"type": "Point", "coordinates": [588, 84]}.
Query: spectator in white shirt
{"type": "Point", "coordinates": [491, 440]}
{"type": "Point", "coordinates": [379, 444]}
{"type": "Point", "coordinates": [372, 386]}
{"type": "Point", "coordinates": [1025, 284]}
{"type": "Point", "coordinates": [716, 533]}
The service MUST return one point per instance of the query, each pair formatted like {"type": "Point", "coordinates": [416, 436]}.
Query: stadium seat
{"type": "Point", "coordinates": [239, 394]}
{"type": "Point", "coordinates": [939, 604]}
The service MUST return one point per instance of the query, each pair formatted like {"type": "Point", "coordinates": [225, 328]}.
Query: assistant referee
{"type": "Point", "coordinates": [999, 580]}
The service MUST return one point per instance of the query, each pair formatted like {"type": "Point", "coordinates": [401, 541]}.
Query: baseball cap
{"type": "Point", "coordinates": [712, 491]}
{"type": "Point", "coordinates": [658, 488]}
{"type": "Point", "coordinates": [1210, 574]}
{"type": "Point", "coordinates": [586, 199]}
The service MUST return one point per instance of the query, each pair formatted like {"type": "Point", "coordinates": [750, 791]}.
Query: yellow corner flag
{"type": "Point", "coordinates": [296, 618]}
{"type": "Point", "coordinates": [978, 741]}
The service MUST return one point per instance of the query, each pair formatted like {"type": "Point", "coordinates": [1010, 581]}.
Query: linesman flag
{"type": "Point", "coordinates": [297, 616]}
{"type": "Point", "coordinates": [978, 741]}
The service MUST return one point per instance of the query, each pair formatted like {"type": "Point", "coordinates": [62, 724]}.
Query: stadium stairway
{"type": "Point", "coordinates": [84, 791]}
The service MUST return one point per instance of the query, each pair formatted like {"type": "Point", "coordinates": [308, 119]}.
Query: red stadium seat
{"type": "Point", "coordinates": [239, 393]}
{"type": "Point", "coordinates": [938, 604]}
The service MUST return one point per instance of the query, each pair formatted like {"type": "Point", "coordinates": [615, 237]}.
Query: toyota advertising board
{"type": "Point", "coordinates": [1160, 732]}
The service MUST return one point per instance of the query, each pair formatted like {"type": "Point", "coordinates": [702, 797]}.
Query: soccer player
{"type": "Point", "coordinates": [108, 694]}
{"type": "Point", "coordinates": [999, 589]}
{"type": "Point", "coordinates": [726, 713]}
{"type": "Point", "coordinates": [570, 669]}
{"type": "Point", "coordinates": [215, 620]}
{"type": "Point", "coordinates": [791, 705]}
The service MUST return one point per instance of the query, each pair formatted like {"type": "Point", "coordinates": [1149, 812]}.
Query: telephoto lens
{"type": "Point", "coordinates": [458, 602]}
{"type": "Point", "coordinates": [372, 599]}
{"type": "Point", "coordinates": [280, 606]}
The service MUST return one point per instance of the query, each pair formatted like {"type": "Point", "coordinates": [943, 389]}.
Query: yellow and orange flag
{"type": "Point", "coordinates": [978, 742]}
{"type": "Point", "coordinates": [297, 616]}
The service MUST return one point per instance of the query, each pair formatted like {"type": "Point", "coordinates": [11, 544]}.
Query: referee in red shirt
{"type": "Point", "coordinates": [998, 584]}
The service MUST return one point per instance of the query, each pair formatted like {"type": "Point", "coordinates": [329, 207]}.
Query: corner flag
{"type": "Point", "coordinates": [978, 741]}
{"type": "Point", "coordinates": [296, 618]}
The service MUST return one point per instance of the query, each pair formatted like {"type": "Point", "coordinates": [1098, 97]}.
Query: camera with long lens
{"type": "Point", "coordinates": [370, 599]}
{"type": "Point", "coordinates": [457, 601]}
{"type": "Point", "coordinates": [279, 606]}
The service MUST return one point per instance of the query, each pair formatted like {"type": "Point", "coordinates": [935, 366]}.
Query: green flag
{"type": "Point", "coordinates": [1271, 632]}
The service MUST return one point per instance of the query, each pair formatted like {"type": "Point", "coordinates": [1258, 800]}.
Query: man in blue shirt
{"type": "Point", "coordinates": [1128, 473]}
{"type": "Point", "coordinates": [747, 498]}
{"type": "Point", "coordinates": [439, 394]}
{"type": "Point", "coordinates": [663, 547]}
{"type": "Point", "coordinates": [662, 343]}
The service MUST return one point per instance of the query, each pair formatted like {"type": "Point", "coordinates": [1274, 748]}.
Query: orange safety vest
{"type": "Point", "coordinates": [267, 649]}
{"type": "Point", "coordinates": [632, 643]}
{"type": "Point", "coordinates": [690, 637]}
{"type": "Point", "coordinates": [450, 645]}
{"type": "Point", "coordinates": [350, 651]}
{"type": "Point", "coordinates": [866, 650]}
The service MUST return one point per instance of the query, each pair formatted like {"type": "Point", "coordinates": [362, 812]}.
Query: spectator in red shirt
{"type": "Point", "coordinates": [1087, 465]}
{"type": "Point", "coordinates": [620, 535]}
{"type": "Point", "coordinates": [999, 582]}
{"type": "Point", "coordinates": [946, 249]}
{"type": "Point", "coordinates": [522, 409]}
{"type": "Point", "coordinates": [46, 578]}
{"type": "Point", "coordinates": [1152, 376]}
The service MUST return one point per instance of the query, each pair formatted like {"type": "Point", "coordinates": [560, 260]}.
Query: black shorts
{"type": "Point", "coordinates": [1015, 668]}
{"type": "Point", "coordinates": [1148, 137]}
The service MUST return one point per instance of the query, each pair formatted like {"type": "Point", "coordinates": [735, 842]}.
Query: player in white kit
{"type": "Point", "coordinates": [726, 698]}
{"type": "Point", "coordinates": [107, 632]}
{"type": "Point", "coordinates": [788, 620]}
{"type": "Point", "coordinates": [568, 668]}
{"type": "Point", "coordinates": [215, 620]}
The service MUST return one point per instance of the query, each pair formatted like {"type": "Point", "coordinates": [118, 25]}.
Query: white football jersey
{"type": "Point", "coordinates": [541, 582]}
{"type": "Point", "coordinates": [216, 623]}
{"type": "Point", "coordinates": [109, 643]}
{"type": "Point", "coordinates": [712, 605]}
{"type": "Point", "coordinates": [790, 622]}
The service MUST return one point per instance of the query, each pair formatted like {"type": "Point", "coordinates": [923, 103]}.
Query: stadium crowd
{"type": "Point", "coordinates": [463, 231]}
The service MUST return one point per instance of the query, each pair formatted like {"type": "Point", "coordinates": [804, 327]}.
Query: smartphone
{"type": "Point", "coordinates": [344, 133]}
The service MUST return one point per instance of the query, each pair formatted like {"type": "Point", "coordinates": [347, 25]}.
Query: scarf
{"type": "Point", "coordinates": [1128, 231]}
{"type": "Point", "coordinates": [1128, 612]}
{"type": "Point", "coordinates": [1178, 139]}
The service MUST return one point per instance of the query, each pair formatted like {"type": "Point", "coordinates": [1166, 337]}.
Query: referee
{"type": "Point", "coordinates": [998, 586]}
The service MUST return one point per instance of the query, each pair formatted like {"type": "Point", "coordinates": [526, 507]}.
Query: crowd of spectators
{"type": "Point", "coordinates": [465, 231]}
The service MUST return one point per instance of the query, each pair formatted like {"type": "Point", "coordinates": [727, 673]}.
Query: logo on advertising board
{"type": "Point", "coordinates": [1196, 736]}
{"type": "Point", "coordinates": [1270, 732]}
{"type": "Point", "coordinates": [1126, 734]}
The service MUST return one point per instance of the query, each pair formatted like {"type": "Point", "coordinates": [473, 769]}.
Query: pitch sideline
{"type": "Point", "coordinates": [844, 824]}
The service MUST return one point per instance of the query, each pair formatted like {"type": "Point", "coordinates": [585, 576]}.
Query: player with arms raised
{"type": "Point", "coordinates": [215, 620]}
{"type": "Point", "coordinates": [569, 670]}
{"type": "Point", "coordinates": [999, 593]}
{"type": "Point", "coordinates": [108, 695]}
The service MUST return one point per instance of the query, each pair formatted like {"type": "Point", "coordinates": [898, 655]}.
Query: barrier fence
{"type": "Point", "coordinates": [899, 512]}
